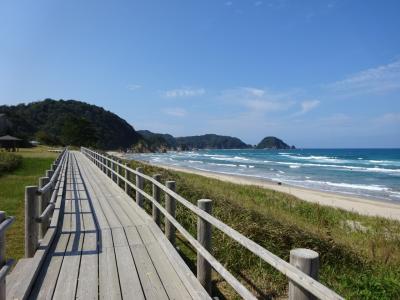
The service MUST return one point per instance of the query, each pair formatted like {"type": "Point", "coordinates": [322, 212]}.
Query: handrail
{"type": "Point", "coordinates": [5, 224]}
{"type": "Point", "coordinates": [238, 286]}
{"type": "Point", "coordinates": [53, 178]}
{"type": "Point", "coordinates": [306, 282]}
{"type": "Point", "coordinates": [5, 266]}
{"type": "Point", "coordinates": [51, 205]}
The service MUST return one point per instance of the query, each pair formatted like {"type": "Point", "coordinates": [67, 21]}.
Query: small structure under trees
{"type": "Point", "coordinates": [10, 143]}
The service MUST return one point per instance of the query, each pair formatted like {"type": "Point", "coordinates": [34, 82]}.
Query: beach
{"type": "Point", "coordinates": [359, 205]}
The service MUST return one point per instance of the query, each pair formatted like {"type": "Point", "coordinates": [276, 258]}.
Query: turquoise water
{"type": "Point", "coordinates": [373, 173]}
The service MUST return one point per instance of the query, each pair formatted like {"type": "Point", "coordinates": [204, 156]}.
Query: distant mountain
{"type": "Point", "coordinates": [68, 122]}
{"type": "Point", "coordinates": [158, 139]}
{"type": "Point", "coordinates": [206, 141]}
{"type": "Point", "coordinates": [211, 141]}
{"type": "Point", "coordinates": [272, 142]}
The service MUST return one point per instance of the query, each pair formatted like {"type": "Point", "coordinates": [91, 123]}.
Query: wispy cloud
{"type": "Point", "coordinates": [228, 3]}
{"type": "Point", "coordinates": [258, 3]}
{"type": "Point", "coordinates": [308, 105]}
{"type": "Point", "coordinates": [175, 111]}
{"type": "Point", "coordinates": [134, 87]}
{"type": "Point", "coordinates": [184, 92]}
{"type": "Point", "coordinates": [378, 80]}
{"type": "Point", "coordinates": [258, 100]}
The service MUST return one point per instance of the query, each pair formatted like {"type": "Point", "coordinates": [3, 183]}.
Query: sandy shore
{"type": "Point", "coordinates": [359, 205]}
{"type": "Point", "coordinates": [355, 204]}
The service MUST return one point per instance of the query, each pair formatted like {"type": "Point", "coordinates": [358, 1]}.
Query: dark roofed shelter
{"type": "Point", "coordinates": [10, 143]}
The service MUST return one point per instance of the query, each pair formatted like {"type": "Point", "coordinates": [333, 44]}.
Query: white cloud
{"type": "Point", "coordinates": [228, 3]}
{"type": "Point", "coordinates": [175, 112]}
{"type": "Point", "coordinates": [258, 100]}
{"type": "Point", "coordinates": [184, 92]}
{"type": "Point", "coordinates": [379, 80]}
{"type": "Point", "coordinates": [258, 3]}
{"type": "Point", "coordinates": [306, 106]}
{"type": "Point", "coordinates": [134, 87]}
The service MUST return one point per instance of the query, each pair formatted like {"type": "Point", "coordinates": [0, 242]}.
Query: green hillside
{"type": "Point", "coordinates": [68, 122]}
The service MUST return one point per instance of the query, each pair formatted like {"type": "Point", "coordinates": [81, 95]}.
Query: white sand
{"type": "Point", "coordinates": [355, 204]}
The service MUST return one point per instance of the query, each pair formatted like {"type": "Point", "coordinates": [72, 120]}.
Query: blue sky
{"type": "Point", "coordinates": [315, 73]}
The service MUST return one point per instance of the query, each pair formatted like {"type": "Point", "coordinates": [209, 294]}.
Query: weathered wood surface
{"type": "Point", "coordinates": [104, 246]}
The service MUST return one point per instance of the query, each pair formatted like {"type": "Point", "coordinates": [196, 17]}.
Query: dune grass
{"type": "Point", "coordinates": [34, 163]}
{"type": "Point", "coordinates": [360, 255]}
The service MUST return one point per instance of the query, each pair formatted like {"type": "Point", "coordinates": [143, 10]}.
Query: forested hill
{"type": "Point", "coordinates": [272, 142]}
{"type": "Point", "coordinates": [206, 141]}
{"type": "Point", "coordinates": [211, 141]}
{"type": "Point", "coordinates": [68, 122]}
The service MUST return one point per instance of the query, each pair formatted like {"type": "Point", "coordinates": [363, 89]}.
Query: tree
{"type": "Point", "coordinates": [79, 132]}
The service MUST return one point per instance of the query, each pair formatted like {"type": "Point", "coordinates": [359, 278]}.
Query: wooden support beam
{"type": "Point", "coordinates": [170, 206]}
{"type": "Point", "coordinates": [139, 185]}
{"type": "Point", "coordinates": [307, 261]}
{"type": "Point", "coordinates": [31, 227]}
{"type": "Point", "coordinates": [204, 235]}
{"type": "Point", "coordinates": [156, 196]}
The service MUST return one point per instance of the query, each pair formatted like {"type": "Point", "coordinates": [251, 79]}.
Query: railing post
{"type": "Point", "coordinates": [156, 196]}
{"type": "Point", "coordinates": [170, 206]}
{"type": "Point", "coordinates": [43, 202]}
{"type": "Point", "coordinates": [139, 185]}
{"type": "Point", "coordinates": [118, 171]}
{"type": "Point", "coordinates": [49, 173]}
{"type": "Point", "coordinates": [307, 261]}
{"type": "Point", "coordinates": [204, 234]}
{"type": "Point", "coordinates": [126, 179]}
{"type": "Point", "coordinates": [109, 166]}
{"type": "Point", "coordinates": [53, 167]}
{"type": "Point", "coordinates": [2, 257]}
{"type": "Point", "coordinates": [31, 227]}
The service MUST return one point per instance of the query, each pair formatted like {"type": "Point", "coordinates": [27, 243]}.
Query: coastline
{"type": "Point", "coordinates": [363, 206]}
{"type": "Point", "coordinates": [359, 205]}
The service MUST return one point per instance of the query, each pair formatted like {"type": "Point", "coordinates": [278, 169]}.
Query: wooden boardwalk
{"type": "Point", "coordinates": [87, 238]}
{"type": "Point", "coordinates": [106, 247]}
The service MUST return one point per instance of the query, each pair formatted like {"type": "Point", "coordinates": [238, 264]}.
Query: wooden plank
{"type": "Point", "coordinates": [68, 277]}
{"type": "Point", "coordinates": [151, 283]}
{"type": "Point", "coordinates": [128, 277]}
{"type": "Point", "coordinates": [170, 279]}
{"type": "Point", "coordinates": [108, 274]}
{"type": "Point", "coordinates": [47, 279]}
{"type": "Point", "coordinates": [88, 271]}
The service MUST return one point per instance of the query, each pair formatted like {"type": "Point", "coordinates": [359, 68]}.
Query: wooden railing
{"type": "Point", "coordinates": [36, 200]}
{"type": "Point", "coordinates": [39, 205]}
{"type": "Point", "coordinates": [5, 265]}
{"type": "Point", "coordinates": [302, 272]}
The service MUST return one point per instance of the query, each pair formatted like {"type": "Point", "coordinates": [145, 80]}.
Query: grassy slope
{"type": "Point", "coordinates": [357, 263]}
{"type": "Point", "coordinates": [34, 164]}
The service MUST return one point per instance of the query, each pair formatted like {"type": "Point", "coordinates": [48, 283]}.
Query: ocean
{"type": "Point", "coordinates": [371, 173]}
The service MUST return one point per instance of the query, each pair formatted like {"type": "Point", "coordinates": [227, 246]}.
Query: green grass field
{"type": "Point", "coordinates": [359, 261]}
{"type": "Point", "coordinates": [35, 162]}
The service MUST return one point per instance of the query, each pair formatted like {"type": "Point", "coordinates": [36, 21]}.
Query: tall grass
{"type": "Point", "coordinates": [359, 262]}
